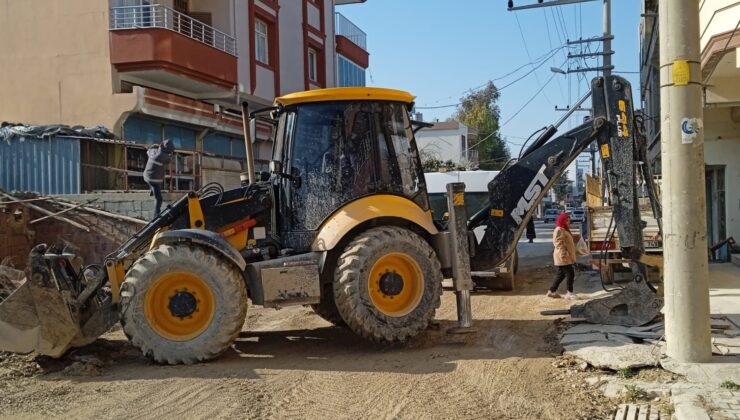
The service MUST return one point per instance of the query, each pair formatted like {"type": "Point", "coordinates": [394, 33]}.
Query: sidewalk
{"type": "Point", "coordinates": [699, 391]}
{"type": "Point", "coordinates": [704, 389]}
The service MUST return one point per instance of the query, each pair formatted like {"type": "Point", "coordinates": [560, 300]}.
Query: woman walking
{"type": "Point", "coordinates": [564, 256]}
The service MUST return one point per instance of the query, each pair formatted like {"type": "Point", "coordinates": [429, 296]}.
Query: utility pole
{"type": "Point", "coordinates": [686, 272]}
{"type": "Point", "coordinates": [607, 38]}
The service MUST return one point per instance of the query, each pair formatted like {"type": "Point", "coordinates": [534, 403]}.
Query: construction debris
{"type": "Point", "coordinates": [10, 279]}
{"type": "Point", "coordinates": [44, 211]}
{"type": "Point", "coordinates": [615, 347]}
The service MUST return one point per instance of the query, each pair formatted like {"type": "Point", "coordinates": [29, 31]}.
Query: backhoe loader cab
{"type": "Point", "coordinates": [335, 146]}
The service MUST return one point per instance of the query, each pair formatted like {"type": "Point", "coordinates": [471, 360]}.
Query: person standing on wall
{"type": "Point", "coordinates": [158, 157]}
{"type": "Point", "coordinates": [564, 256]}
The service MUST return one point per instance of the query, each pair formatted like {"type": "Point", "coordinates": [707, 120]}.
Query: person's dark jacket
{"type": "Point", "coordinates": [159, 156]}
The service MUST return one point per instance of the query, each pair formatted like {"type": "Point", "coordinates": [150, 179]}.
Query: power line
{"type": "Point", "coordinates": [553, 53]}
{"type": "Point", "coordinates": [526, 49]}
{"type": "Point", "coordinates": [528, 102]}
{"type": "Point", "coordinates": [549, 41]}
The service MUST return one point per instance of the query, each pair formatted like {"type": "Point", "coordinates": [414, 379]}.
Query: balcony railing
{"type": "Point", "coordinates": [345, 27]}
{"type": "Point", "coordinates": [158, 16]}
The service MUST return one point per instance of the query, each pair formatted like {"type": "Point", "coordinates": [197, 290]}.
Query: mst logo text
{"type": "Point", "coordinates": [533, 191]}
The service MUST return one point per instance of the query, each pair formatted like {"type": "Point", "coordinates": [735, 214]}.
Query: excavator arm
{"type": "Point", "coordinates": [515, 193]}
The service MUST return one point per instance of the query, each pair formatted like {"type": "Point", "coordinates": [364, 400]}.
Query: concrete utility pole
{"type": "Point", "coordinates": [686, 273]}
{"type": "Point", "coordinates": [607, 37]}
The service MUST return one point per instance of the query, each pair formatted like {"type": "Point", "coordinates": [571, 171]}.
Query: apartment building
{"type": "Point", "coordinates": [720, 70]}
{"type": "Point", "coordinates": [448, 140]}
{"type": "Point", "coordinates": [175, 69]}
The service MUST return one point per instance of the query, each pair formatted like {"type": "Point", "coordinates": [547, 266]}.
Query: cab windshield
{"type": "Point", "coordinates": [345, 150]}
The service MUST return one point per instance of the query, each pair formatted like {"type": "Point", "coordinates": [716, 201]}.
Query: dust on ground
{"type": "Point", "coordinates": [292, 364]}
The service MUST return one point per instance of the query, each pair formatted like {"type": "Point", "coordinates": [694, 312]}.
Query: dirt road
{"type": "Point", "coordinates": [292, 364]}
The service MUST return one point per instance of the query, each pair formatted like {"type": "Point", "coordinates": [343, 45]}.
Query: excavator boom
{"type": "Point", "coordinates": [515, 193]}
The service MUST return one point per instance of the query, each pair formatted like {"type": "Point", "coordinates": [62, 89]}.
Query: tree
{"type": "Point", "coordinates": [561, 187]}
{"type": "Point", "coordinates": [480, 111]}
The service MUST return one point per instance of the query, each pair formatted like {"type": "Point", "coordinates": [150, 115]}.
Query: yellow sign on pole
{"type": "Point", "coordinates": [681, 72]}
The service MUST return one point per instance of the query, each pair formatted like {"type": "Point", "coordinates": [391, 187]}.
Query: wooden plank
{"type": "Point", "coordinates": [57, 213]}
{"type": "Point", "coordinates": [47, 212]}
{"type": "Point", "coordinates": [621, 413]}
{"type": "Point", "coordinates": [654, 414]}
{"type": "Point", "coordinates": [642, 413]}
{"type": "Point", "coordinates": [631, 412]}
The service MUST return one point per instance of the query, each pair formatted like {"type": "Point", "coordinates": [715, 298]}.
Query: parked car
{"type": "Point", "coordinates": [579, 215]}
{"type": "Point", "coordinates": [551, 215]}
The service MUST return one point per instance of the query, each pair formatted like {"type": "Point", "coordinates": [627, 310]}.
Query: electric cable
{"type": "Point", "coordinates": [526, 50]}
{"type": "Point", "coordinates": [528, 102]}
{"type": "Point", "coordinates": [497, 89]}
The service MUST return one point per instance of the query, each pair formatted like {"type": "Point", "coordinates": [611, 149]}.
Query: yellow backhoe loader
{"type": "Point", "coordinates": [341, 222]}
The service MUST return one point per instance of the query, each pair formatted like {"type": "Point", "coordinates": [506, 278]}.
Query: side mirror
{"type": "Point", "coordinates": [276, 167]}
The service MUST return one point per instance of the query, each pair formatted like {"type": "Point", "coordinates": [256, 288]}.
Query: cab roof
{"type": "Point", "coordinates": [346, 94]}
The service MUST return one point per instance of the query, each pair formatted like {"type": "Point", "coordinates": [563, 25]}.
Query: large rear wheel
{"type": "Point", "coordinates": [387, 284]}
{"type": "Point", "coordinates": [183, 304]}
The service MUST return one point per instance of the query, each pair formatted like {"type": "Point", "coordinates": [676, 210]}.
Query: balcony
{"type": "Point", "coordinates": [158, 47]}
{"type": "Point", "coordinates": [351, 41]}
{"type": "Point", "coordinates": [347, 29]}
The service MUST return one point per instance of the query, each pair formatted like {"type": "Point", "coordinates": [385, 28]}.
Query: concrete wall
{"type": "Point", "coordinates": [722, 147]}
{"type": "Point", "coordinates": [55, 63]}
{"type": "Point", "coordinates": [330, 47]}
{"type": "Point", "coordinates": [443, 145]}
{"type": "Point", "coordinates": [291, 58]}
{"type": "Point", "coordinates": [716, 17]}
{"type": "Point", "coordinates": [133, 204]}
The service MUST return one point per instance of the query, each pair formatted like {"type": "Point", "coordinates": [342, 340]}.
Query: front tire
{"type": "Point", "coordinates": [183, 304]}
{"type": "Point", "coordinates": [387, 284]}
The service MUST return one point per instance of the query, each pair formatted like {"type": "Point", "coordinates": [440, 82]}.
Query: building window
{"type": "Point", "coordinates": [224, 145]}
{"type": "Point", "coordinates": [182, 6]}
{"type": "Point", "coordinates": [260, 41]}
{"type": "Point", "coordinates": [349, 73]}
{"type": "Point", "coordinates": [312, 65]}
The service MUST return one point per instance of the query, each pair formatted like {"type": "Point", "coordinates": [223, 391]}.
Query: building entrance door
{"type": "Point", "coordinates": [715, 188]}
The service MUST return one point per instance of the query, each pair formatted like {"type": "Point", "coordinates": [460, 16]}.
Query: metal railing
{"type": "Point", "coordinates": [345, 27]}
{"type": "Point", "coordinates": [158, 16]}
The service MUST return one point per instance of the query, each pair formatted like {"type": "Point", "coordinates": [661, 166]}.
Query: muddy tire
{"type": "Point", "coordinates": [183, 304]}
{"type": "Point", "coordinates": [387, 284]}
{"type": "Point", "coordinates": [327, 308]}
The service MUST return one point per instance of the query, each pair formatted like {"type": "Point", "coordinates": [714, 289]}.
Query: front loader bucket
{"type": "Point", "coordinates": [43, 314]}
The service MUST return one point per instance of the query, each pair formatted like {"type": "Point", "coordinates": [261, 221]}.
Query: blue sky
{"type": "Point", "coordinates": [438, 49]}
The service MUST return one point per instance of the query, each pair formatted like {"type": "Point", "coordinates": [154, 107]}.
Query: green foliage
{"type": "Point", "coordinates": [432, 164]}
{"type": "Point", "coordinates": [626, 373]}
{"type": "Point", "coordinates": [561, 187]}
{"type": "Point", "coordinates": [480, 111]}
{"type": "Point", "coordinates": [634, 393]}
{"type": "Point", "coordinates": [731, 385]}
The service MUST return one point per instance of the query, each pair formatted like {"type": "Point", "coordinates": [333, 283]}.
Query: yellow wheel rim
{"type": "Point", "coordinates": [179, 306]}
{"type": "Point", "coordinates": [395, 284]}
